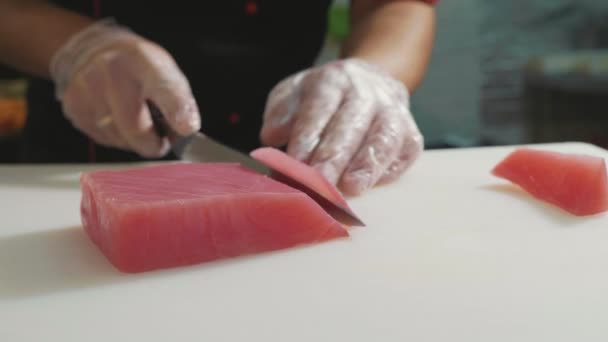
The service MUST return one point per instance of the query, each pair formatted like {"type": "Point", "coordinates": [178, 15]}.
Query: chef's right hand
{"type": "Point", "coordinates": [103, 76]}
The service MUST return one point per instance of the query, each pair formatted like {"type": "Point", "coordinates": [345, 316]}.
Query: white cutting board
{"type": "Point", "coordinates": [450, 254]}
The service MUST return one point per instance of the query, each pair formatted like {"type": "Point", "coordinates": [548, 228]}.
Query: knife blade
{"type": "Point", "coordinates": [199, 147]}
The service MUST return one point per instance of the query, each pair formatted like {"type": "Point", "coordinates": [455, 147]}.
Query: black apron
{"type": "Point", "coordinates": [232, 52]}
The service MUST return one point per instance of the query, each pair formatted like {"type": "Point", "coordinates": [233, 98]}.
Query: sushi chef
{"type": "Point", "coordinates": [241, 71]}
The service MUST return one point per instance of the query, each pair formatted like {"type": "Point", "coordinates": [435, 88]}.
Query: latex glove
{"type": "Point", "coordinates": [348, 119]}
{"type": "Point", "coordinates": [104, 74]}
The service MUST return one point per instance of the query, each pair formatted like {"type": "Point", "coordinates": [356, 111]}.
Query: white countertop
{"type": "Point", "coordinates": [450, 253]}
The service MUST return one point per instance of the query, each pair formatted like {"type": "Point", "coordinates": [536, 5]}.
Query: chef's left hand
{"type": "Point", "coordinates": [348, 119]}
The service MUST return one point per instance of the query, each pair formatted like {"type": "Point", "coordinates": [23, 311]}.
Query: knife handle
{"type": "Point", "coordinates": [163, 129]}
{"type": "Point", "coordinates": [160, 124]}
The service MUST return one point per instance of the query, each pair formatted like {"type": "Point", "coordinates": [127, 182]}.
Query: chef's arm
{"type": "Point", "coordinates": [32, 30]}
{"type": "Point", "coordinates": [396, 35]}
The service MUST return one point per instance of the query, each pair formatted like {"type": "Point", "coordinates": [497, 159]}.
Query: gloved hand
{"type": "Point", "coordinates": [104, 74]}
{"type": "Point", "coordinates": [349, 119]}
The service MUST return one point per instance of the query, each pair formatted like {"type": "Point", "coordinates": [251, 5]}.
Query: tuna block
{"type": "Point", "coordinates": [179, 214]}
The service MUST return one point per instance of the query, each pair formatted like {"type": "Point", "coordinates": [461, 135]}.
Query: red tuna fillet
{"type": "Point", "coordinates": [574, 182]}
{"type": "Point", "coordinates": [179, 214]}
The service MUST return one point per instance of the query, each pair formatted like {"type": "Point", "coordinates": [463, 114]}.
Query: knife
{"type": "Point", "coordinates": [201, 148]}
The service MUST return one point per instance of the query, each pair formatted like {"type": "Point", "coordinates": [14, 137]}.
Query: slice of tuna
{"type": "Point", "coordinates": [283, 163]}
{"type": "Point", "coordinates": [574, 182]}
{"type": "Point", "coordinates": [171, 215]}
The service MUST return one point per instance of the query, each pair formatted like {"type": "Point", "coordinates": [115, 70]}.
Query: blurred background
{"type": "Point", "coordinates": [502, 72]}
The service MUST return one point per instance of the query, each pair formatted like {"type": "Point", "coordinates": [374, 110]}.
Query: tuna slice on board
{"type": "Point", "coordinates": [575, 183]}
{"type": "Point", "coordinates": [178, 214]}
